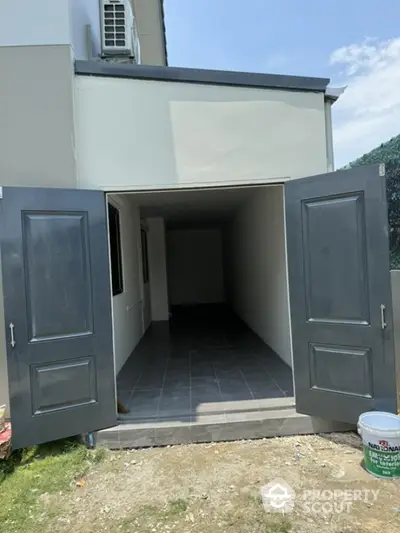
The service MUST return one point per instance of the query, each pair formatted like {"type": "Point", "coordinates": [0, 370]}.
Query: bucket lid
{"type": "Point", "coordinates": [379, 420]}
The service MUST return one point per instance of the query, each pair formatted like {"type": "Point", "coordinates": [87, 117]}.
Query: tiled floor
{"type": "Point", "coordinates": [205, 362]}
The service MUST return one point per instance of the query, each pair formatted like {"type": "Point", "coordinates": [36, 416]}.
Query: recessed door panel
{"type": "Point", "coordinates": [51, 385]}
{"type": "Point", "coordinates": [335, 259]}
{"type": "Point", "coordinates": [57, 266]}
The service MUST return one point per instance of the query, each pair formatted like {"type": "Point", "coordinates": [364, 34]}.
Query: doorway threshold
{"type": "Point", "coordinates": [215, 427]}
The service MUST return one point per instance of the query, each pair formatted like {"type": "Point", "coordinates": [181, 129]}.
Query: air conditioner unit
{"type": "Point", "coordinates": [117, 24]}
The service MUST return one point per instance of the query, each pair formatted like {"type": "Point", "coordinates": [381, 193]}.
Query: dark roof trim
{"type": "Point", "coordinates": [194, 75]}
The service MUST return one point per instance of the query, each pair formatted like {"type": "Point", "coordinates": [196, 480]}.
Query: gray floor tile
{"type": "Point", "coordinates": [250, 429]}
{"type": "Point", "coordinates": [228, 372]}
{"type": "Point", "coordinates": [176, 383]}
{"type": "Point", "coordinates": [173, 387]}
{"type": "Point", "coordinates": [260, 387]}
{"type": "Point", "coordinates": [202, 371]}
{"type": "Point", "coordinates": [144, 403]}
{"type": "Point", "coordinates": [205, 381]}
{"type": "Point", "coordinates": [236, 396]}
{"type": "Point", "coordinates": [124, 396]}
{"type": "Point", "coordinates": [232, 384]}
{"type": "Point", "coordinates": [204, 365]}
{"type": "Point", "coordinates": [150, 383]}
{"type": "Point", "coordinates": [205, 399]}
{"type": "Point", "coordinates": [175, 403]}
{"type": "Point", "coordinates": [137, 437]}
{"type": "Point", "coordinates": [208, 418]}
{"type": "Point", "coordinates": [239, 406]}
{"type": "Point", "coordinates": [272, 392]}
{"type": "Point", "coordinates": [203, 432]}
{"type": "Point", "coordinates": [165, 436]}
{"type": "Point", "coordinates": [243, 416]}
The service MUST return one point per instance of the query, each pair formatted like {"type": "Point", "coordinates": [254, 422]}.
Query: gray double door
{"type": "Point", "coordinates": [57, 306]}
{"type": "Point", "coordinates": [57, 303]}
{"type": "Point", "coordinates": [340, 293]}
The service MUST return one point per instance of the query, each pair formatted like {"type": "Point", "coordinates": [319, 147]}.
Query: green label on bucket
{"type": "Point", "coordinates": [382, 458]}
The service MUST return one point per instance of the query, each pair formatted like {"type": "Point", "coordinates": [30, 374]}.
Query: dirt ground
{"type": "Point", "coordinates": [216, 487]}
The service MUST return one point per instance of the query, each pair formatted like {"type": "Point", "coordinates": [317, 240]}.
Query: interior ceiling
{"type": "Point", "coordinates": [193, 207]}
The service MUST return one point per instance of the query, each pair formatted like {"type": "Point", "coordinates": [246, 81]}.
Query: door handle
{"type": "Point", "coordinates": [11, 326]}
{"type": "Point", "coordinates": [383, 316]}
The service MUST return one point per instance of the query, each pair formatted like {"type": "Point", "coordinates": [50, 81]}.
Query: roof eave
{"type": "Point", "coordinates": [201, 76]}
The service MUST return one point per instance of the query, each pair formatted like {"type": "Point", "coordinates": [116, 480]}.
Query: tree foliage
{"type": "Point", "coordinates": [388, 153]}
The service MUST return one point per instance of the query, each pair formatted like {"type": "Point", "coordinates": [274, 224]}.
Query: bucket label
{"type": "Point", "coordinates": [382, 458]}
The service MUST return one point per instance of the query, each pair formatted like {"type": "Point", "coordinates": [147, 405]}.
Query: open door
{"type": "Point", "coordinates": [57, 305]}
{"type": "Point", "coordinates": [340, 295]}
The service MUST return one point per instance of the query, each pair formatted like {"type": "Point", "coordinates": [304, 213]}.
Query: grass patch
{"type": "Point", "coordinates": [181, 516]}
{"type": "Point", "coordinates": [148, 517]}
{"type": "Point", "coordinates": [177, 507]}
{"type": "Point", "coordinates": [30, 473]}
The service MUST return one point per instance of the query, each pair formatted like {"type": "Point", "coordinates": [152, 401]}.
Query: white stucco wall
{"type": "Point", "coordinates": [195, 268]}
{"type": "Point", "coordinates": [171, 135]}
{"type": "Point", "coordinates": [83, 12]}
{"type": "Point", "coordinates": [157, 268]}
{"type": "Point", "coordinates": [37, 140]}
{"type": "Point", "coordinates": [256, 269]}
{"type": "Point", "coordinates": [33, 23]}
{"type": "Point", "coordinates": [127, 306]}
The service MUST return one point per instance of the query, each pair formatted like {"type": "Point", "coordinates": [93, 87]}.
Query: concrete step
{"type": "Point", "coordinates": [213, 427]}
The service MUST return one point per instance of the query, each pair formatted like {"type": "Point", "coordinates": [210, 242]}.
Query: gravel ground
{"type": "Point", "coordinates": [216, 487]}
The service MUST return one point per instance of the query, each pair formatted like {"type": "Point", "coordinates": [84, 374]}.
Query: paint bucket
{"type": "Point", "coordinates": [380, 433]}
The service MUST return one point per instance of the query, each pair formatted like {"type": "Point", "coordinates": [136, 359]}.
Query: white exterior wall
{"type": "Point", "coordinates": [50, 22]}
{"type": "Point", "coordinates": [33, 23]}
{"type": "Point", "coordinates": [157, 269]}
{"type": "Point", "coordinates": [37, 140]}
{"type": "Point", "coordinates": [257, 271]}
{"type": "Point", "coordinates": [171, 135]}
{"type": "Point", "coordinates": [195, 268]}
{"type": "Point", "coordinates": [127, 306]}
{"type": "Point", "coordinates": [83, 12]}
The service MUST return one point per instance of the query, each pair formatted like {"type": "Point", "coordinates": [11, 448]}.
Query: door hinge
{"type": "Point", "coordinates": [382, 170]}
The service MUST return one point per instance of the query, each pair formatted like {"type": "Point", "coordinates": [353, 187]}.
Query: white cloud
{"type": "Point", "coordinates": [368, 113]}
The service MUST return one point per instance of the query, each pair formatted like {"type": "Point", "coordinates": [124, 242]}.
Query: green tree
{"type": "Point", "coordinates": [388, 153]}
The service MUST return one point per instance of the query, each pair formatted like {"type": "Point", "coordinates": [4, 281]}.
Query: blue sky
{"type": "Point", "coordinates": [354, 43]}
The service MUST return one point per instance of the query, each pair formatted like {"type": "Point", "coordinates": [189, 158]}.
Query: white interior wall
{"type": "Point", "coordinates": [127, 306]}
{"type": "Point", "coordinates": [256, 268]}
{"type": "Point", "coordinates": [157, 269]}
{"type": "Point", "coordinates": [195, 269]}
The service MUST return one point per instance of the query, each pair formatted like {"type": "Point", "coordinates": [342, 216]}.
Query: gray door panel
{"type": "Point", "coordinates": [337, 245]}
{"type": "Point", "coordinates": [56, 285]}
